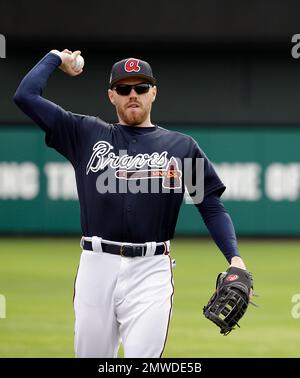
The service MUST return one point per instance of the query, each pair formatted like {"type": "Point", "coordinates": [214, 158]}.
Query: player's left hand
{"type": "Point", "coordinates": [231, 298]}
{"type": "Point", "coordinates": [239, 263]}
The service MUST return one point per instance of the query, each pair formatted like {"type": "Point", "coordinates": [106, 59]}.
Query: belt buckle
{"type": "Point", "coordinates": [122, 250]}
{"type": "Point", "coordinates": [129, 253]}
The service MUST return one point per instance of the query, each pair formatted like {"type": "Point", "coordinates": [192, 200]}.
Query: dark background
{"type": "Point", "coordinates": [217, 62]}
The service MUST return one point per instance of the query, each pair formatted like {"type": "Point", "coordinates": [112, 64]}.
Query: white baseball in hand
{"type": "Point", "coordinates": [78, 63]}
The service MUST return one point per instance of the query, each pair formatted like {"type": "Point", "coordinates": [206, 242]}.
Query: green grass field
{"type": "Point", "coordinates": [37, 275]}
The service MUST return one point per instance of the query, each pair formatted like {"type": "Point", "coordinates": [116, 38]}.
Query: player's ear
{"type": "Point", "coordinates": [111, 96]}
{"type": "Point", "coordinates": [154, 93]}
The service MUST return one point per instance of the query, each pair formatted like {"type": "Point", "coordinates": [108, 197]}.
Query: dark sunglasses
{"type": "Point", "coordinates": [125, 89]}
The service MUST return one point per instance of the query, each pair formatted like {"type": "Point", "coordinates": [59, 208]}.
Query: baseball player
{"type": "Point", "coordinates": [131, 181]}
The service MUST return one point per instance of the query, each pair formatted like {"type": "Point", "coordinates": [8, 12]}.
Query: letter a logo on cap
{"type": "Point", "coordinates": [132, 65]}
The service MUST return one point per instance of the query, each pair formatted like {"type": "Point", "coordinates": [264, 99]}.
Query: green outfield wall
{"type": "Point", "coordinates": [259, 166]}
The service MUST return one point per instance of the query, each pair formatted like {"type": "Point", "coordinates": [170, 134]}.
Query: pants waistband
{"type": "Point", "coordinates": [97, 244]}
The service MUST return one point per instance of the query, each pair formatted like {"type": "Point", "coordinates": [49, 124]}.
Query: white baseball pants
{"type": "Point", "coordinates": [122, 299]}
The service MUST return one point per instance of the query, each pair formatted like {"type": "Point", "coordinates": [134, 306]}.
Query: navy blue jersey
{"type": "Point", "coordinates": [103, 153]}
{"type": "Point", "coordinates": [135, 217]}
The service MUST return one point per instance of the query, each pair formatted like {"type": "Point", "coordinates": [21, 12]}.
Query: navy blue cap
{"type": "Point", "coordinates": [131, 67]}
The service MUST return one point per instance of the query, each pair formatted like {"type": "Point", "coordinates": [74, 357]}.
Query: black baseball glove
{"type": "Point", "coordinates": [230, 300]}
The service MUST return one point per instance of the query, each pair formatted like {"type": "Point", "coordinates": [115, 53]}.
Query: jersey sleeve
{"type": "Point", "coordinates": [65, 135]}
{"type": "Point", "coordinates": [62, 128]}
{"type": "Point", "coordinates": [219, 225]}
{"type": "Point", "coordinates": [204, 174]}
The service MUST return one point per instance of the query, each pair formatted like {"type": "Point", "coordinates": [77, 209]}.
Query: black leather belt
{"type": "Point", "coordinates": [126, 250]}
